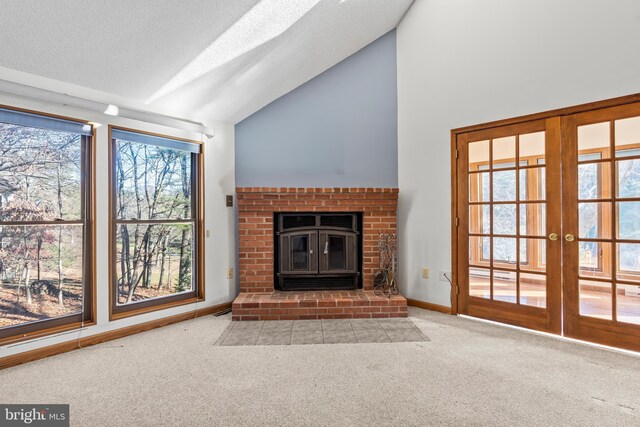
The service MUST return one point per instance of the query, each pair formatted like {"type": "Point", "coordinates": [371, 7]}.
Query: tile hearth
{"type": "Point", "coordinates": [326, 331]}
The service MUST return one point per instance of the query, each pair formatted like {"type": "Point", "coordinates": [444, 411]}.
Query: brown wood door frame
{"type": "Point", "coordinates": [544, 319]}
{"type": "Point", "coordinates": [607, 332]}
{"type": "Point", "coordinates": [572, 327]}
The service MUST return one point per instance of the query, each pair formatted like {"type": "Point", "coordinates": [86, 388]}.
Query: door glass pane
{"type": "Point", "coordinates": [533, 289]}
{"type": "Point", "coordinates": [533, 254]}
{"type": "Point", "coordinates": [41, 276]}
{"type": "Point", "coordinates": [300, 253]}
{"type": "Point", "coordinates": [628, 220]}
{"type": "Point", "coordinates": [533, 219]}
{"type": "Point", "coordinates": [532, 184]}
{"type": "Point", "coordinates": [479, 282]}
{"type": "Point", "coordinates": [504, 219]}
{"type": "Point", "coordinates": [504, 186]}
{"type": "Point", "coordinates": [479, 219]}
{"type": "Point", "coordinates": [478, 154]}
{"type": "Point", "coordinates": [628, 303]}
{"type": "Point", "coordinates": [628, 178]}
{"type": "Point", "coordinates": [531, 145]}
{"type": "Point", "coordinates": [337, 253]}
{"type": "Point", "coordinates": [627, 136]}
{"type": "Point", "coordinates": [504, 250]}
{"type": "Point", "coordinates": [594, 220]}
{"type": "Point", "coordinates": [504, 152]}
{"type": "Point", "coordinates": [595, 259]}
{"type": "Point", "coordinates": [595, 299]}
{"type": "Point", "coordinates": [524, 191]}
{"type": "Point", "coordinates": [594, 181]}
{"type": "Point", "coordinates": [595, 138]}
{"type": "Point", "coordinates": [628, 261]}
{"type": "Point", "coordinates": [479, 249]}
{"type": "Point", "coordinates": [504, 286]}
{"type": "Point", "coordinates": [479, 187]}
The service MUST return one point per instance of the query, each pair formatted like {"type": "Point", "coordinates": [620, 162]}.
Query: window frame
{"type": "Point", "coordinates": [197, 208]}
{"type": "Point", "coordinates": [87, 317]}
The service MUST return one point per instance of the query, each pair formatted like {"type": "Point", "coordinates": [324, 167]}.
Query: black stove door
{"type": "Point", "coordinates": [338, 252]}
{"type": "Point", "coordinates": [299, 252]}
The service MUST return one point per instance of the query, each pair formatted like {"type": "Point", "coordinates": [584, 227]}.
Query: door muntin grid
{"type": "Point", "coordinates": [507, 216]}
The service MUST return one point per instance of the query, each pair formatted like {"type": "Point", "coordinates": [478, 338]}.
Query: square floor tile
{"type": "Point", "coordinates": [365, 324]}
{"type": "Point", "coordinates": [241, 338]}
{"type": "Point", "coordinates": [329, 331]}
{"type": "Point", "coordinates": [396, 324]}
{"type": "Point", "coordinates": [404, 335]}
{"type": "Point", "coordinates": [336, 325]}
{"type": "Point", "coordinates": [371, 335]}
{"type": "Point", "coordinates": [247, 325]}
{"type": "Point", "coordinates": [307, 325]}
{"type": "Point", "coordinates": [339, 336]}
{"type": "Point", "coordinates": [307, 337]}
{"type": "Point", "coordinates": [274, 338]}
{"type": "Point", "coordinates": [277, 325]}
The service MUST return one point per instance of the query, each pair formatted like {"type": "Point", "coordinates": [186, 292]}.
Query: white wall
{"type": "Point", "coordinates": [219, 219]}
{"type": "Point", "coordinates": [463, 62]}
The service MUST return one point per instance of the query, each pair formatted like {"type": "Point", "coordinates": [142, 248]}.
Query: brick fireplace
{"type": "Point", "coordinates": [258, 299]}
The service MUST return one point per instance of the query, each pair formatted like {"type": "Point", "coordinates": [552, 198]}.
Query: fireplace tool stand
{"type": "Point", "coordinates": [385, 281]}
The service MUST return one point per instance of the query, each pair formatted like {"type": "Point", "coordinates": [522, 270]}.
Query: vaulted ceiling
{"type": "Point", "coordinates": [203, 60]}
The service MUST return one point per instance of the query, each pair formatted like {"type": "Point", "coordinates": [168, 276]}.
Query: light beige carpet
{"type": "Point", "coordinates": [470, 373]}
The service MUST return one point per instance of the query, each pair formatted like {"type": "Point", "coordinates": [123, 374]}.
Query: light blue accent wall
{"type": "Point", "coordinates": [337, 130]}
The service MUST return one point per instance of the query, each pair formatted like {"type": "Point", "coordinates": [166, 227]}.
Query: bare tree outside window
{"type": "Point", "coordinates": [41, 224]}
{"type": "Point", "coordinates": [154, 221]}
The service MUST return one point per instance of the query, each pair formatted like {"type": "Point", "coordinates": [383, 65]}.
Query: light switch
{"type": "Point", "coordinates": [425, 272]}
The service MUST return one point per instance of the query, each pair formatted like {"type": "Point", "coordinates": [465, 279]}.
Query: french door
{"type": "Point", "coordinates": [548, 233]}
{"type": "Point", "coordinates": [508, 203]}
{"type": "Point", "coordinates": [601, 215]}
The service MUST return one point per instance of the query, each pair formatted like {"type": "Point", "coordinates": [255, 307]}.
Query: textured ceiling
{"type": "Point", "coordinates": [204, 60]}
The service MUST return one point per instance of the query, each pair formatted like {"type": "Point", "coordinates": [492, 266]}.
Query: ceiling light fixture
{"type": "Point", "coordinates": [112, 110]}
{"type": "Point", "coordinates": [265, 21]}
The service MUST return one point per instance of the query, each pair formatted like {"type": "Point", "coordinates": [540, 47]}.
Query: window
{"type": "Point", "coordinates": [156, 227]}
{"type": "Point", "coordinates": [46, 226]}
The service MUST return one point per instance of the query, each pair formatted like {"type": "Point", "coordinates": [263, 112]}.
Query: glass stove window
{"type": "Point", "coordinates": [300, 252]}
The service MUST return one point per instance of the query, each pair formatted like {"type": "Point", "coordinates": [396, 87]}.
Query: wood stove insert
{"type": "Point", "coordinates": [317, 251]}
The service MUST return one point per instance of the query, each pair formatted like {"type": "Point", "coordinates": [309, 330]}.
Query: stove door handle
{"type": "Point", "coordinates": [326, 248]}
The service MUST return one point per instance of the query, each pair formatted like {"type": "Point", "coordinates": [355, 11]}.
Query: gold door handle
{"type": "Point", "coordinates": [569, 237]}
{"type": "Point", "coordinates": [553, 236]}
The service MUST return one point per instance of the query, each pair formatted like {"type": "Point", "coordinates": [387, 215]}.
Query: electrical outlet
{"type": "Point", "coordinates": [229, 273]}
{"type": "Point", "coordinates": [443, 276]}
{"type": "Point", "coordinates": [425, 273]}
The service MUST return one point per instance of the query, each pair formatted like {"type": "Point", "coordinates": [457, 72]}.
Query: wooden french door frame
{"type": "Point", "coordinates": [572, 326]}
{"type": "Point", "coordinates": [544, 319]}
{"type": "Point", "coordinates": [576, 325]}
